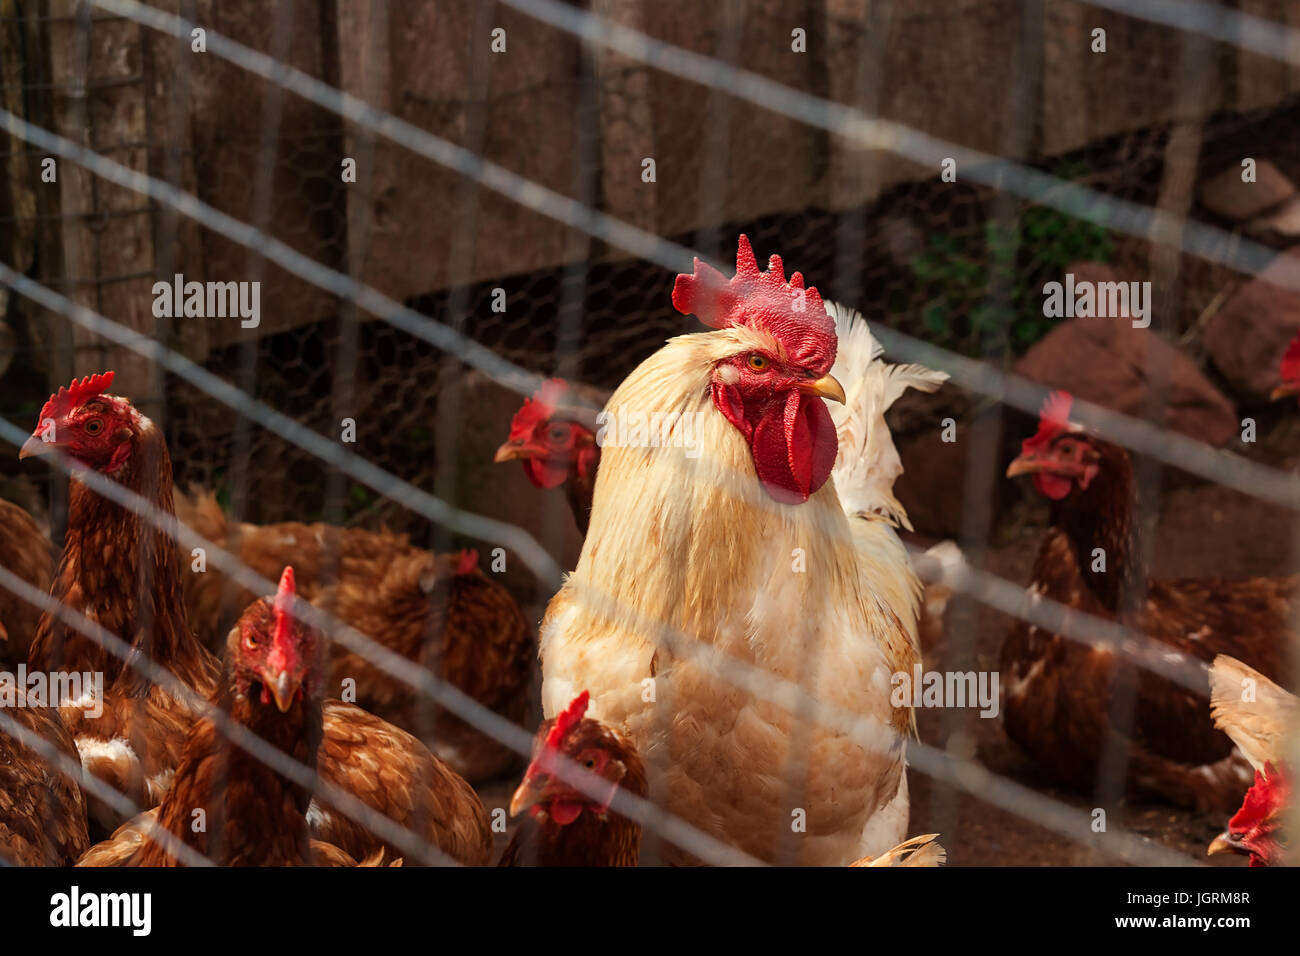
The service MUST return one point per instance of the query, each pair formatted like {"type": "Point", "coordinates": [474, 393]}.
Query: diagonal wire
{"type": "Point", "coordinates": [875, 132]}
{"type": "Point", "coordinates": [866, 731]}
{"type": "Point", "coordinates": [243, 738]}
{"type": "Point", "coordinates": [1233, 27]}
{"type": "Point", "coordinates": [74, 771]}
{"type": "Point", "coordinates": [450, 697]}
{"type": "Point", "coordinates": [1142, 650]}
{"type": "Point", "coordinates": [393, 664]}
{"type": "Point", "coordinates": [434, 509]}
{"type": "Point", "coordinates": [1233, 471]}
{"type": "Point", "coordinates": [1186, 454]}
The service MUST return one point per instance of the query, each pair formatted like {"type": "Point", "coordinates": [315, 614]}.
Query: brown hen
{"type": "Point", "coordinates": [253, 815]}
{"type": "Point", "coordinates": [120, 570]}
{"type": "Point", "coordinates": [1058, 693]}
{"type": "Point", "coordinates": [564, 826]}
{"type": "Point", "coordinates": [122, 573]}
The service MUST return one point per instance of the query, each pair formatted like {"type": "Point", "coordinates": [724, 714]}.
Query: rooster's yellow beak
{"type": "Point", "coordinates": [827, 387]}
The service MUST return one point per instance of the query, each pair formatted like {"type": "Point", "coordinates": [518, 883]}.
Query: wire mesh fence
{"type": "Point", "coordinates": [438, 208]}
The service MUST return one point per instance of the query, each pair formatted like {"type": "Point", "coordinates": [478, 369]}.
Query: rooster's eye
{"type": "Point", "coordinates": [559, 433]}
{"type": "Point", "coordinates": [94, 426]}
{"type": "Point", "coordinates": [758, 362]}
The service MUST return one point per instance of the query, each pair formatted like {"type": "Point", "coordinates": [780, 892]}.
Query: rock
{"type": "Point", "coordinates": [931, 485]}
{"type": "Point", "coordinates": [1226, 195]}
{"type": "Point", "coordinates": [1109, 362]}
{"type": "Point", "coordinates": [1094, 272]}
{"type": "Point", "coordinates": [1283, 221]}
{"type": "Point", "coordinates": [1246, 338]}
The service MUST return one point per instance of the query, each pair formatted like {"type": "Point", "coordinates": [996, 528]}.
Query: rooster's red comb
{"type": "Point", "coordinates": [70, 396]}
{"type": "Point", "coordinates": [1053, 420]}
{"type": "Point", "coordinates": [795, 315]}
{"type": "Point", "coordinates": [1290, 371]}
{"type": "Point", "coordinates": [548, 397]}
{"type": "Point", "coordinates": [1271, 793]}
{"type": "Point", "coordinates": [566, 720]}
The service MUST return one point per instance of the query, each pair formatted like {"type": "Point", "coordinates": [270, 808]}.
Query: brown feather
{"type": "Point", "coordinates": [464, 628]}
{"type": "Point", "coordinates": [25, 551]}
{"type": "Point", "coordinates": [42, 813]}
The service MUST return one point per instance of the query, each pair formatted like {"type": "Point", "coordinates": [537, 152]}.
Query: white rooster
{"type": "Point", "coordinates": [746, 552]}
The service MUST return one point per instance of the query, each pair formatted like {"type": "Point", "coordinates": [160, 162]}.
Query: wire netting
{"type": "Point", "coordinates": [960, 265]}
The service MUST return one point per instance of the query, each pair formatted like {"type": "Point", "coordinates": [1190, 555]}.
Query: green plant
{"type": "Point", "coordinates": [986, 295]}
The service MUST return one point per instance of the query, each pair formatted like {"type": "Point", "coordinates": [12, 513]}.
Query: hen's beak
{"type": "Point", "coordinates": [1285, 390]}
{"type": "Point", "coordinates": [283, 688]}
{"type": "Point", "coordinates": [1024, 465]}
{"type": "Point", "coordinates": [36, 445]}
{"type": "Point", "coordinates": [529, 793]}
{"type": "Point", "coordinates": [1225, 842]}
{"type": "Point", "coordinates": [827, 387]}
{"type": "Point", "coordinates": [517, 448]}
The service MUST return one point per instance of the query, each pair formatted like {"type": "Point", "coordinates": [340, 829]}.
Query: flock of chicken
{"type": "Point", "coordinates": [724, 647]}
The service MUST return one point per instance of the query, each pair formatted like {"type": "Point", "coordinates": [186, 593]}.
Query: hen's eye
{"type": "Point", "coordinates": [94, 426]}
{"type": "Point", "coordinates": [559, 433]}
{"type": "Point", "coordinates": [758, 362]}
{"type": "Point", "coordinates": [590, 763]}
{"type": "Point", "coordinates": [250, 640]}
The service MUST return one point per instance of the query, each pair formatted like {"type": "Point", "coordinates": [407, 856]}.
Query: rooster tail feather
{"type": "Point", "coordinates": [918, 851]}
{"type": "Point", "coordinates": [1257, 722]}
{"type": "Point", "coordinates": [868, 464]}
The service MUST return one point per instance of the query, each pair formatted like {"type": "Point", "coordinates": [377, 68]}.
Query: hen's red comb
{"type": "Point", "coordinates": [1271, 792]}
{"type": "Point", "coordinates": [283, 603]}
{"type": "Point", "coordinates": [765, 300]}
{"type": "Point", "coordinates": [548, 397]}
{"type": "Point", "coordinates": [566, 720]}
{"type": "Point", "coordinates": [1290, 371]}
{"type": "Point", "coordinates": [1053, 420]}
{"type": "Point", "coordinates": [70, 396]}
{"type": "Point", "coordinates": [467, 562]}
